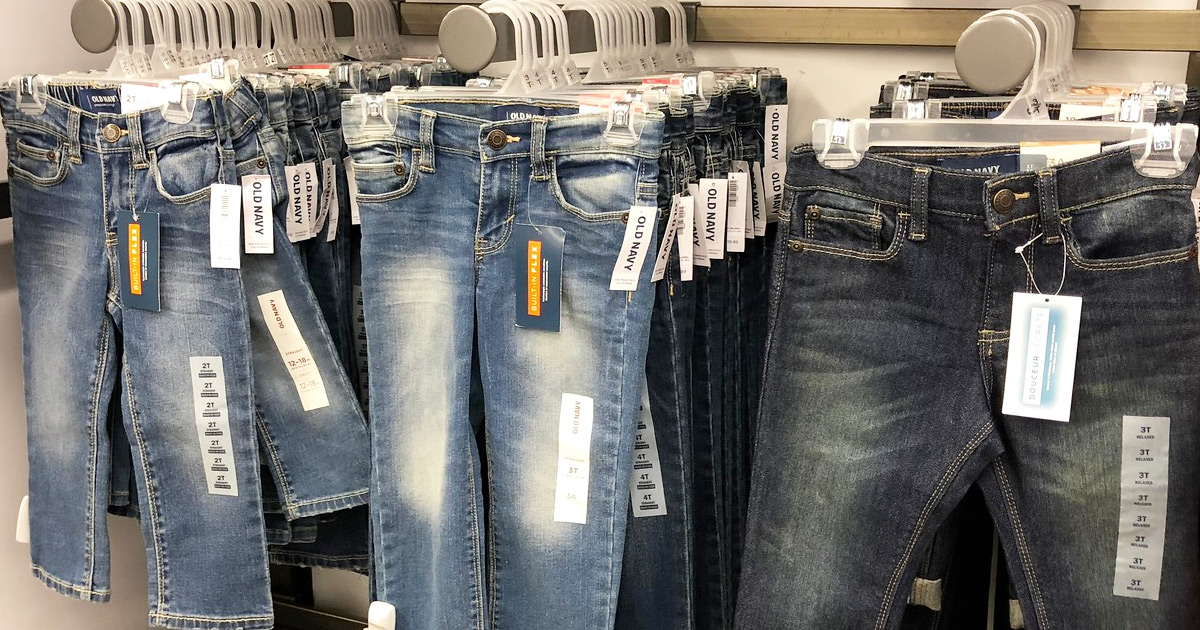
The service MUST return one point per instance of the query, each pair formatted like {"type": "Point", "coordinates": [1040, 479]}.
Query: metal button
{"type": "Point", "coordinates": [262, 163]}
{"type": "Point", "coordinates": [497, 139]}
{"type": "Point", "coordinates": [795, 246]}
{"type": "Point", "coordinates": [111, 132]}
{"type": "Point", "coordinates": [399, 170]}
{"type": "Point", "coordinates": [1003, 201]}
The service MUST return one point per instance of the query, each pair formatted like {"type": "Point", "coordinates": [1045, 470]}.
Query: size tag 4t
{"type": "Point", "coordinates": [1043, 339]}
{"type": "Point", "coordinates": [139, 241]}
{"type": "Point", "coordinates": [225, 226]}
{"type": "Point", "coordinates": [537, 263]}
{"type": "Point", "coordinates": [257, 214]}
{"type": "Point", "coordinates": [639, 234]}
{"type": "Point", "coordinates": [574, 459]}
{"type": "Point", "coordinates": [646, 485]}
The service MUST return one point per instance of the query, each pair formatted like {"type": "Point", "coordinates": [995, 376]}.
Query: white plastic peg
{"type": "Point", "coordinates": [381, 616]}
{"type": "Point", "coordinates": [23, 521]}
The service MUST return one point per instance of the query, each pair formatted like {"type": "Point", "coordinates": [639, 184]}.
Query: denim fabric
{"type": "Point", "coordinates": [438, 273]}
{"type": "Point", "coordinates": [68, 181]}
{"type": "Point", "coordinates": [320, 459]}
{"type": "Point", "coordinates": [886, 362]}
{"type": "Point", "coordinates": [340, 541]}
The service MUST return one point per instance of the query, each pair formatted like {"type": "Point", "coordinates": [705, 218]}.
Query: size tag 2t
{"type": "Point", "coordinates": [293, 350]}
{"type": "Point", "coordinates": [1044, 336]}
{"type": "Point", "coordinates": [639, 233]}
{"type": "Point", "coordinates": [537, 263]}
{"type": "Point", "coordinates": [1141, 535]}
{"type": "Point", "coordinates": [225, 226]}
{"type": "Point", "coordinates": [574, 459]}
{"type": "Point", "coordinates": [258, 217]}
{"type": "Point", "coordinates": [645, 485]}
{"type": "Point", "coordinates": [139, 241]}
{"type": "Point", "coordinates": [212, 424]}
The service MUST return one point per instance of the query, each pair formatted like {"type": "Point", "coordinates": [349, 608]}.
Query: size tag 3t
{"type": "Point", "coordinates": [537, 263]}
{"type": "Point", "coordinates": [574, 459]}
{"type": "Point", "coordinates": [1043, 339]}
{"type": "Point", "coordinates": [139, 241]}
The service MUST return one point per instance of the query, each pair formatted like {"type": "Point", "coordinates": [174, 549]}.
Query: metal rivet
{"type": "Point", "coordinates": [496, 139]}
{"type": "Point", "coordinates": [262, 163]}
{"type": "Point", "coordinates": [399, 169]}
{"type": "Point", "coordinates": [814, 212]}
{"type": "Point", "coordinates": [111, 132]}
{"type": "Point", "coordinates": [795, 246]}
{"type": "Point", "coordinates": [1003, 201]}
{"type": "Point", "coordinates": [624, 217]}
{"type": "Point", "coordinates": [52, 156]}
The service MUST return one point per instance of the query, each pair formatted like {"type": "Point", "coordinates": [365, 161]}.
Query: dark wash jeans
{"type": "Point", "coordinates": [886, 357]}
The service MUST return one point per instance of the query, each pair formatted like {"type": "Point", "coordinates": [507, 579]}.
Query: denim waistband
{"type": "Point", "coordinates": [243, 109]}
{"type": "Point", "coordinates": [462, 126]}
{"type": "Point", "coordinates": [305, 105]}
{"type": "Point", "coordinates": [908, 177]}
{"type": "Point", "coordinates": [713, 119]}
{"type": "Point", "coordinates": [276, 102]}
{"type": "Point", "coordinates": [80, 129]}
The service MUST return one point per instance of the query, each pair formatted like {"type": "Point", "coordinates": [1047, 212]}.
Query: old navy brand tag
{"type": "Point", "coordinates": [775, 134]}
{"type": "Point", "coordinates": [1044, 335]}
{"type": "Point", "coordinates": [574, 459]}
{"type": "Point", "coordinates": [735, 225]}
{"type": "Point", "coordinates": [328, 186]}
{"type": "Point", "coordinates": [713, 207]}
{"type": "Point", "coordinates": [646, 485]}
{"type": "Point", "coordinates": [258, 219]}
{"type": "Point", "coordinates": [773, 182]}
{"type": "Point", "coordinates": [761, 205]}
{"type": "Point", "coordinates": [99, 100]}
{"type": "Point", "coordinates": [293, 350]}
{"type": "Point", "coordinates": [212, 424]}
{"type": "Point", "coordinates": [667, 241]}
{"type": "Point", "coordinates": [302, 191]}
{"type": "Point", "coordinates": [353, 186]}
{"type": "Point", "coordinates": [225, 226]}
{"type": "Point", "coordinates": [699, 248]}
{"type": "Point", "coordinates": [1141, 534]}
{"type": "Point", "coordinates": [516, 112]}
{"type": "Point", "coordinates": [537, 263]}
{"type": "Point", "coordinates": [639, 234]}
{"type": "Point", "coordinates": [988, 164]}
{"type": "Point", "coordinates": [139, 262]}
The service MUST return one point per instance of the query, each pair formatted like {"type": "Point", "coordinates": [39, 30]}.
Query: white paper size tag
{"type": "Point", "coordinates": [761, 203]}
{"type": "Point", "coordinates": [1044, 335]}
{"type": "Point", "coordinates": [735, 226]}
{"type": "Point", "coordinates": [136, 98]}
{"type": "Point", "coordinates": [638, 234]}
{"type": "Point", "coordinates": [1075, 111]}
{"type": "Point", "coordinates": [574, 459]}
{"type": "Point", "coordinates": [1145, 447]}
{"type": "Point", "coordinates": [358, 325]}
{"type": "Point", "coordinates": [714, 205]}
{"type": "Point", "coordinates": [773, 180]}
{"type": "Point", "coordinates": [294, 351]}
{"type": "Point", "coordinates": [353, 187]}
{"type": "Point", "coordinates": [225, 226]}
{"type": "Point", "coordinates": [1039, 155]}
{"type": "Point", "coordinates": [212, 425]}
{"type": "Point", "coordinates": [328, 186]}
{"type": "Point", "coordinates": [257, 214]}
{"type": "Point", "coordinates": [668, 241]}
{"type": "Point", "coordinates": [645, 486]}
{"type": "Point", "coordinates": [302, 182]}
{"type": "Point", "coordinates": [335, 212]}
{"type": "Point", "coordinates": [775, 134]}
{"type": "Point", "coordinates": [687, 236]}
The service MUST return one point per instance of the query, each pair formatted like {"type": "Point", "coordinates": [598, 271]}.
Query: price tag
{"type": "Point", "coordinates": [574, 459]}
{"type": "Point", "coordinates": [225, 226]}
{"type": "Point", "coordinates": [1145, 447]}
{"type": "Point", "coordinates": [668, 241]}
{"type": "Point", "coordinates": [761, 203]}
{"type": "Point", "coordinates": [353, 186]}
{"type": "Point", "coordinates": [212, 425]}
{"type": "Point", "coordinates": [738, 185]}
{"type": "Point", "coordinates": [293, 350]}
{"type": "Point", "coordinates": [645, 485]}
{"type": "Point", "coordinates": [139, 262]}
{"type": "Point", "coordinates": [687, 236]}
{"type": "Point", "coordinates": [1041, 356]}
{"type": "Point", "coordinates": [638, 234]}
{"type": "Point", "coordinates": [257, 214]}
{"type": "Point", "coordinates": [302, 193]}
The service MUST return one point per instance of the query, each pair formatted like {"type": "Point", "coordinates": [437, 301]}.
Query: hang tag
{"type": "Point", "coordinates": [761, 203]}
{"type": "Point", "coordinates": [293, 350]}
{"type": "Point", "coordinates": [1141, 535]}
{"type": "Point", "coordinates": [353, 186]}
{"type": "Point", "coordinates": [1044, 336]}
{"type": "Point", "coordinates": [714, 206]}
{"type": "Point", "coordinates": [225, 226]}
{"type": "Point", "coordinates": [537, 263]}
{"type": "Point", "coordinates": [738, 185]}
{"type": "Point", "coordinates": [212, 425]}
{"type": "Point", "coordinates": [775, 134]}
{"type": "Point", "coordinates": [302, 194]}
{"type": "Point", "coordinates": [668, 241]}
{"type": "Point", "coordinates": [328, 186]}
{"type": "Point", "coordinates": [139, 262]}
{"type": "Point", "coordinates": [699, 245]}
{"type": "Point", "coordinates": [574, 459]}
{"type": "Point", "coordinates": [359, 327]}
{"type": "Point", "coordinates": [639, 232]}
{"type": "Point", "coordinates": [99, 100]}
{"type": "Point", "coordinates": [1038, 155]}
{"type": "Point", "coordinates": [335, 212]}
{"type": "Point", "coordinates": [258, 217]}
{"type": "Point", "coordinates": [686, 236]}
{"type": "Point", "coordinates": [646, 485]}
{"type": "Point", "coordinates": [773, 181]}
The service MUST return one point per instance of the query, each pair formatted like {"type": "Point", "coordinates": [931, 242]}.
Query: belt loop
{"type": "Point", "coordinates": [537, 150]}
{"type": "Point", "coordinates": [75, 150]}
{"type": "Point", "coordinates": [426, 163]}
{"type": "Point", "coordinates": [1048, 199]}
{"type": "Point", "coordinates": [137, 142]}
{"type": "Point", "coordinates": [918, 203]}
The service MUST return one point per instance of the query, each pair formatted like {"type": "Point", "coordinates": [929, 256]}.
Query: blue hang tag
{"type": "Point", "coordinates": [99, 100]}
{"type": "Point", "coordinates": [537, 263]}
{"type": "Point", "coordinates": [1043, 340]}
{"type": "Point", "coordinates": [139, 240]}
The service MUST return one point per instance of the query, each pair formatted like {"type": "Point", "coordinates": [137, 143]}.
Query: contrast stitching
{"type": "Point", "coordinates": [1126, 194]}
{"type": "Point", "coordinates": [43, 574]}
{"type": "Point", "coordinates": [1010, 505]}
{"type": "Point", "coordinates": [1133, 263]}
{"type": "Point", "coordinates": [155, 526]}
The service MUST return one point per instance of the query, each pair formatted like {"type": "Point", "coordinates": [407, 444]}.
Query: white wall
{"type": "Point", "coordinates": [825, 81]}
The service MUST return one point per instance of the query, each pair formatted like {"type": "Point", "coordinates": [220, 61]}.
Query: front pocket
{"type": "Point", "coordinates": [185, 169]}
{"type": "Point", "coordinates": [596, 187]}
{"type": "Point", "coordinates": [39, 159]}
{"type": "Point", "coordinates": [385, 171]}
{"type": "Point", "coordinates": [1151, 227]}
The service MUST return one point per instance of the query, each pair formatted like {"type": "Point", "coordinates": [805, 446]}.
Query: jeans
{"type": "Point", "coordinates": [71, 173]}
{"type": "Point", "coordinates": [438, 273]}
{"type": "Point", "coordinates": [886, 365]}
